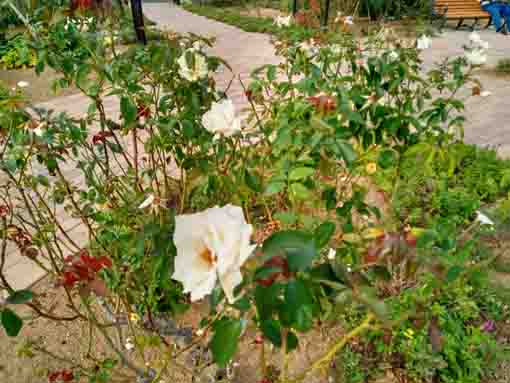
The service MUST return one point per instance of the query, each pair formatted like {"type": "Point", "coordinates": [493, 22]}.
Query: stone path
{"type": "Point", "coordinates": [488, 119]}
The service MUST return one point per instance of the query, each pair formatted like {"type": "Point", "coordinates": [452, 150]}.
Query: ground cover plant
{"type": "Point", "coordinates": [299, 219]}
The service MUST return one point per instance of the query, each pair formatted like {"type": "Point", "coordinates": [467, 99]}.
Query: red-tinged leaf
{"type": "Point", "coordinates": [66, 376]}
{"type": "Point", "coordinates": [98, 287]}
{"type": "Point", "coordinates": [372, 254]}
{"type": "Point", "coordinates": [53, 376]}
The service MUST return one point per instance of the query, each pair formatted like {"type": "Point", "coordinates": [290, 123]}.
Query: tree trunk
{"type": "Point", "coordinates": [136, 9]}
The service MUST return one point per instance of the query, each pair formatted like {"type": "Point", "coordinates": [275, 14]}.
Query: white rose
{"type": "Point", "coordinates": [197, 71]}
{"type": "Point", "coordinates": [348, 20]}
{"type": "Point", "coordinates": [476, 57]}
{"type": "Point", "coordinates": [308, 48]}
{"type": "Point", "coordinates": [23, 84]}
{"type": "Point", "coordinates": [221, 118]}
{"type": "Point", "coordinates": [211, 245]}
{"type": "Point", "coordinates": [283, 21]}
{"type": "Point", "coordinates": [331, 254]}
{"type": "Point", "coordinates": [424, 42]}
{"type": "Point", "coordinates": [39, 130]}
{"type": "Point", "coordinates": [483, 219]}
{"type": "Point", "coordinates": [393, 56]}
{"type": "Point", "coordinates": [129, 344]}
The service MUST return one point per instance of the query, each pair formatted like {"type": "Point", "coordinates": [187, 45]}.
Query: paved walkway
{"type": "Point", "coordinates": [488, 119]}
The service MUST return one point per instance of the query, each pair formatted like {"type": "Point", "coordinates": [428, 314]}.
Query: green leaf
{"type": "Point", "coordinates": [286, 217]}
{"type": "Point", "coordinates": [348, 153]}
{"type": "Point", "coordinates": [275, 187]}
{"type": "Point", "coordinates": [292, 341]}
{"type": "Point", "coordinates": [323, 233]}
{"type": "Point", "coordinates": [253, 181]}
{"type": "Point", "coordinates": [297, 309]}
{"type": "Point", "coordinates": [271, 329]}
{"type": "Point", "coordinates": [12, 322]}
{"type": "Point", "coordinates": [453, 273]}
{"type": "Point", "coordinates": [128, 110]}
{"type": "Point", "coordinates": [20, 296]}
{"type": "Point", "coordinates": [225, 340]}
{"type": "Point", "coordinates": [298, 246]}
{"type": "Point", "coordinates": [267, 300]}
{"type": "Point", "coordinates": [300, 191]}
{"type": "Point", "coordinates": [243, 304]}
{"type": "Point", "coordinates": [387, 158]}
{"type": "Point", "coordinates": [300, 173]}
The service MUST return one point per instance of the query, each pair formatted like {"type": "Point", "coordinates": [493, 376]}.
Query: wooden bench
{"type": "Point", "coordinates": [461, 10]}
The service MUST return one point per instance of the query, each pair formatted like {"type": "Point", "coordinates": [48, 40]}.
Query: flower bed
{"type": "Point", "coordinates": [272, 226]}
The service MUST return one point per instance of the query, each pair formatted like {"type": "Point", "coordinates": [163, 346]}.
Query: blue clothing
{"type": "Point", "coordinates": [497, 11]}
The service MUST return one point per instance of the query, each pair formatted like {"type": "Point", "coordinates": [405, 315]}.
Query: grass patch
{"type": "Point", "coordinates": [233, 16]}
{"type": "Point", "coordinates": [503, 66]}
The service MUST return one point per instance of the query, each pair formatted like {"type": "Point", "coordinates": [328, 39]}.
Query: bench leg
{"type": "Point", "coordinates": [460, 24]}
{"type": "Point", "coordinates": [443, 24]}
{"type": "Point", "coordinates": [475, 24]}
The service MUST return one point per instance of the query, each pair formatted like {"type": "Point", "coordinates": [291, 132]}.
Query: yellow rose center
{"type": "Point", "coordinates": [208, 256]}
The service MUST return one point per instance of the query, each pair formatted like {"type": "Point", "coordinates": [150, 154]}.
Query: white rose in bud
{"type": "Point", "coordinates": [221, 118]}
{"type": "Point", "coordinates": [331, 254]}
{"type": "Point", "coordinates": [476, 57]}
{"type": "Point", "coordinates": [424, 42]}
{"type": "Point", "coordinates": [283, 21]}
{"type": "Point", "coordinates": [393, 56]}
{"type": "Point", "coordinates": [348, 20]}
{"type": "Point", "coordinates": [198, 68]}
{"type": "Point", "coordinates": [308, 47]}
{"type": "Point", "coordinates": [129, 344]}
{"type": "Point", "coordinates": [483, 219]}
{"type": "Point", "coordinates": [211, 246]}
{"type": "Point", "coordinates": [39, 130]}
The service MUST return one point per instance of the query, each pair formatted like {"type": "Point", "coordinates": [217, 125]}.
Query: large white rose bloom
{"type": "Point", "coordinates": [197, 71]}
{"type": "Point", "coordinates": [221, 118]}
{"type": "Point", "coordinates": [211, 245]}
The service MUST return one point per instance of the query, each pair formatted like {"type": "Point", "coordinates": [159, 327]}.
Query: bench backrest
{"type": "Point", "coordinates": [460, 8]}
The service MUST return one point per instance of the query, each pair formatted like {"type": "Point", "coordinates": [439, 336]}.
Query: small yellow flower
{"type": "Point", "coordinates": [409, 333]}
{"type": "Point", "coordinates": [371, 168]}
{"type": "Point", "coordinates": [134, 317]}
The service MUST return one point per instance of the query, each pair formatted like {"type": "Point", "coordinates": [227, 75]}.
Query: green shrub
{"type": "Point", "coordinates": [17, 53]}
{"type": "Point", "coordinates": [503, 66]}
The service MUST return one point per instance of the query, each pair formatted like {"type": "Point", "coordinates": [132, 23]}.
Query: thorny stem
{"type": "Point", "coordinates": [123, 358]}
{"type": "Point", "coordinates": [330, 354]}
{"type": "Point", "coordinates": [62, 359]}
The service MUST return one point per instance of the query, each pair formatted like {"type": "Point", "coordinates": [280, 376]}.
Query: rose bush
{"type": "Point", "coordinates": [278, 220]}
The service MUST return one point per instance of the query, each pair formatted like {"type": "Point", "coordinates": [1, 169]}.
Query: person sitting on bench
{"type": "Point", "coordinates": [497, 10]}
